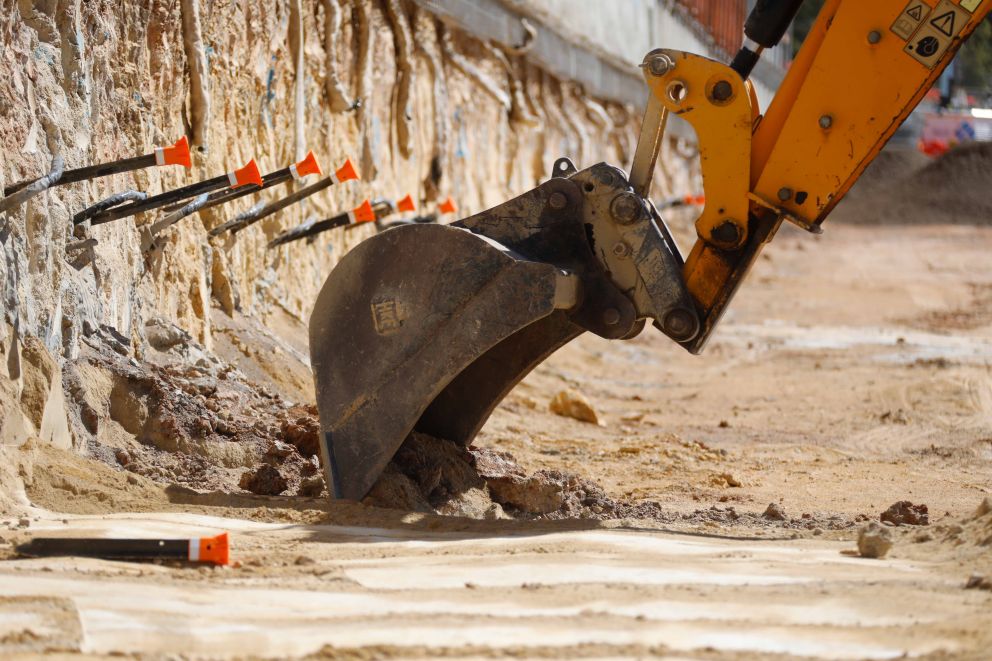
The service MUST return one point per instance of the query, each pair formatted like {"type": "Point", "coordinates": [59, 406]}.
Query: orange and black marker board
{"type": "Point", "coordinates": [212, 550]}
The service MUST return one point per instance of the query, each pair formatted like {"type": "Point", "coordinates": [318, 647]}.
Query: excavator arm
{"type": "Point", "coordinates": [862, 69]}
{"type": "Point", "coordinates": [427, 327]}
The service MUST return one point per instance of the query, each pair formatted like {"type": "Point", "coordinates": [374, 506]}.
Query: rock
{"type": "Point", "coordinates": [978, 582]}
{"type": "Point", "coordinates": [906, 513]}
{"type": "Point", "coordinates": [874, 541]}
{"type": "Point", "coordinates": [303, 560]}
{"type": "Point", "coordinates": [774, 512]}
{"type": "Point", "coordinates": [571, 404]}
{"type": "Point", "coordinates": [311, 466]}
{"type": "Point", "coordinates": [163, 335]}
{"type": "Point", "coordinates": [725, 480]}
{"type": "Point", "coordinates": [23, 522]}
{"type": "Point", "coordinates": [540, 493]}
{"type": "Point", "coordinates": [302, 430]}
{"type": "Point", "coordinates": [279, 450]}
{"type": "Point", "coordinates": [311, 487]}
{"type": "Point", "coordinates": [265, 480]}
{"type": "Point", "coordinates": [984, 508]}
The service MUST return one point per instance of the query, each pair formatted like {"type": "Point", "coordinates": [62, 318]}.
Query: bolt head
{"type": "Point", "coordinates": [722, 91]}
{"type": "Point", "coordinates": [680, 324]}
{"type": "Point", "coordinates": [626, 208]}
{"type": "Point", "coordinates": [784, 194]}
{"type": "Point", "coordinates": [557, 201]}
{"type": "Point", "coordinates": [727, 234]}
{"type": "Point", "coordinates": [611, 316]}
{"type": "Point", "coordinates": [874, 37]}
{"type": "Point", "coordinates": [659, 64]}
{"type": "Point", "coordinates": [621, 249]}
{"type": "Point", "coordinates": [826, 121]}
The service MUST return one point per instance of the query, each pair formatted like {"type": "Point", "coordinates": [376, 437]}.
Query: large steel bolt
{"type": "Point", "coordinates": [680, 324]}
{"type": "Point", "coordinates": [727, 234]}
{"type": "Point", "coordinates": [558, 201]}
{"type": "Point", "coordinates": [611, 316]}
{"type": "Point", "coordinates": [626, 208]}
{"type": "Point", "coordinates": [658, 64]}
{"type": "Point", "coordinates": [722, 91]}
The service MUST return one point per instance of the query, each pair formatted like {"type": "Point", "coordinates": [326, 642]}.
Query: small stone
{"type": "Point", "coordinates": [774, 512]}
{"type": "Point", "coordinates": [305, 560]}
{"type": "Point", "coordinates": [572, 404]}
{"type": "Point", "coordinates": [23, 522]}
{"type": "Point", "coordinates": [985, 507]}
{"type": "Point", "coordinates": [817, 532]}
{"type": "Point", "coordinates": [279, 449]}
{"type": "Point", "coordinates": [874, 541]}
{"type": "Point", "coordinates": [978, 582]}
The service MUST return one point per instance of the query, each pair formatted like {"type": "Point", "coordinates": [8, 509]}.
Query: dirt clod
{"type": "Point", "coordinates": [874, 541]}
{"type": "Point", "coordinates": [978, 582]}
{"type": "Point", "coordinates": [905, 513]}
{"type": "Point", "coordinates": [265, 480]}
{"type": "Point", "coordinates": [774, 512]}
{"type": "Point", "coordinates": [302, 430]}
{"type": "Point", "coordinates": [572, 404]}
{"type": "Point", "coordinates": [311, 487]}
{"type": "Point", "coordinates": [984, 508]}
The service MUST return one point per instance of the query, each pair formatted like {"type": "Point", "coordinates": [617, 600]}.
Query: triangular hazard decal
{"type": "Point", "coordinates": [916, 13]}
{"type": "Point", "coordinates": [945, 23]}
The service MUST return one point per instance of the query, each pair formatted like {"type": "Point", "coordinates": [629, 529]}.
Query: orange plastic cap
{"type": "Point", "coordinates": [214, 549]}
{"type": "Point", "coordinates": [249, 174]}
{"type": "Point", "coordinates": [364, 213]}
{"type": "Point", "coordinates": [177, 154]}
{"type": "Point", "coordinates": [346, 172]}
{"type": "Point", "coordinates": [448, 206]}
{"type": "Point", "coordinates": [406, 204]}
{"type": "Point", "coordinates": [308, 165]}
{"type": "Point", "coordinates": [699, 200]}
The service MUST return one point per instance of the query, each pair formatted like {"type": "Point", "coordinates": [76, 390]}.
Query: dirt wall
{"type": "Point", "coordinates": [439, 113]}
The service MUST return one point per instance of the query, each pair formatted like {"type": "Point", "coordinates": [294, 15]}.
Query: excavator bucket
{"type": "Point", "coordinates": [427, 327]}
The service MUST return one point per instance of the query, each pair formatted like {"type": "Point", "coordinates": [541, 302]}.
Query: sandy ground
{"type": "Point", "coordinates": [855, 370]}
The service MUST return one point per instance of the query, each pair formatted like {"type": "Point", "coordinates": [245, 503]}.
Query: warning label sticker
{"type": "Point", "coordinates": [970, 5]}
{"type": "Point", "coordinates": [936, 33]}
{"type": "Point", "coordinates": [911, 18]}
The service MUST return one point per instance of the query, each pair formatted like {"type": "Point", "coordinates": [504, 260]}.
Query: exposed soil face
{"type": "Point", "coordinates": [909, 188]}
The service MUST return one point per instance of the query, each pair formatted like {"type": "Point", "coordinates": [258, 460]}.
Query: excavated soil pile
{"type": "Point", "coordinates": [433, 475]}
{"type": "Point", "coordinates": [903, 187]}
{"type": "Point", "coordinates": [201, 424]}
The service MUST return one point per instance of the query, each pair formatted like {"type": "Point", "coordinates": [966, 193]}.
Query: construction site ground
{"type": "Point", "coordinates": [853, 371]}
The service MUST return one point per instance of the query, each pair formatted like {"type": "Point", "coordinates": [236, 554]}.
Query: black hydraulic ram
{"type": "Point", "coordinates": [766, 25]}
